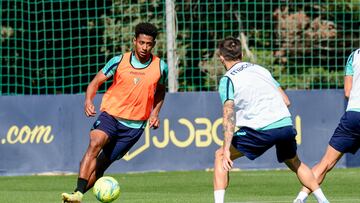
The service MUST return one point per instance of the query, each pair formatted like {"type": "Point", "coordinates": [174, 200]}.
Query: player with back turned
{"type": "Point", "coordinates": [254, 102]}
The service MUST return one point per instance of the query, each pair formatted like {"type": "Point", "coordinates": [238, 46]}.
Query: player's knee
{"type": "Point", "coordinates": [97, 139]}
{"type": "Point", "coordinates": [94, 148]}
{"type": "Point", "coordinates": [94, 144]}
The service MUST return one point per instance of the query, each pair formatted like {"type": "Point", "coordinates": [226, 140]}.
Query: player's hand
{"type": "Point", "coordinates": [154, 122]}
{"type": "Point", "coordinates": [227, 163]}
{"type": "Point", "coordinates": [89, 109]}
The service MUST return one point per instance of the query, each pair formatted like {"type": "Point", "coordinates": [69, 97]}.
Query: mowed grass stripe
{"type": "Point", "coordinates": [341, 185]}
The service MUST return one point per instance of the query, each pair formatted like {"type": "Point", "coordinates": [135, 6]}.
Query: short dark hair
{"type": "Point", "coordinates": [230, 49]}
{"type": "Point", "coordinates": [147, 29]}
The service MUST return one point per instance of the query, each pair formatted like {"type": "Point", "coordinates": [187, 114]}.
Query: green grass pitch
{"type": "Point", "coordinates": [263, 186]}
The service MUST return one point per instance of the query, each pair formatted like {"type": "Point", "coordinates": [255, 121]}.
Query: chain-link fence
{"type": "Point", "coordinates": [57, 47]}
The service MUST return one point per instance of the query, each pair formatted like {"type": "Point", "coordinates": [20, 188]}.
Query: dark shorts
{"type": "Point", "coordinates": [122, 138]}
{"type": "Point", "coordinates": [253, 143]}
{"type": "Point", "coordinates": [346, 137]}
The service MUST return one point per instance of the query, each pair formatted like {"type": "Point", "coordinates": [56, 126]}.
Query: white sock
{"type": "Point", "coordinates": [320, 195]}
{"type": "Point", "coordinates": [302, 195]}
{"type": "Point", "coordinates": [219, 196]}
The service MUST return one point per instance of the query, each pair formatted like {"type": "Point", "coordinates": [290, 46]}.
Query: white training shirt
{"type": "Point", "coordinates": [353, 68]}
{"type": "Point", "coordinates": [257, 99]}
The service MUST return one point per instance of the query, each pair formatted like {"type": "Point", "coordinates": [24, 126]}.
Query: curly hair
{"type": "Point", "coordinates": [147, 29]}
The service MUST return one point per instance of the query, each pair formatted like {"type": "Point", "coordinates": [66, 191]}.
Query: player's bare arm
{"type": "Point", "coordinates": [285, 97]}
{"type": "Point", "coordinates": [91, 90]}
{"type": "Point", "coordinates": [228, 131]}
{"type": "Point", "coordinates": [347, 85]}
{"type": "Point", "coordinates": [154, 120]}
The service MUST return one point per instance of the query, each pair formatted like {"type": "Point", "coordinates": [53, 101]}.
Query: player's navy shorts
{"type": "Point", "coordinates": [253, 143]}
{"type": "Point", "coordinates": [122, 138]}
{"type": "Point", "coordinates": [346, 137]}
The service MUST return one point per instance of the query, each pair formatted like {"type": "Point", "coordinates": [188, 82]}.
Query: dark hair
{"type": "Point", "coordinates": [147, 29]}
{"type": "Point", "coordinates": [230, 49]}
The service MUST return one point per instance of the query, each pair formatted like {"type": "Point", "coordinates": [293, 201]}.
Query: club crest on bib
{"type": "Point", "coordinates": [136, 80]}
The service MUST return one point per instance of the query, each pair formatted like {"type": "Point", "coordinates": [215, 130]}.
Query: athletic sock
{"type": "Point", "coordinates": [219, 196]}
{"type": "Point", "coordinates": [320, 195]}
{"type": "Point", "coordinates": [302, 195]}
{"type": "Point", "coordinates": [81, 185]}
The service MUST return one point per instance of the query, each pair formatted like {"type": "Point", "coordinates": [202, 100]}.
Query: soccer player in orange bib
{"type": "Point", "coordinates": [134, 98]}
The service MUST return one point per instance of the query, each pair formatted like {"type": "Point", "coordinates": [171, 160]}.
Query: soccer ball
{"type": "Point", "coordinates": [106, 189]}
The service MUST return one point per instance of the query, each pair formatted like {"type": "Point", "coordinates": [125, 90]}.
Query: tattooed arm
{"type": "Point", "coordinates": [228, 130]}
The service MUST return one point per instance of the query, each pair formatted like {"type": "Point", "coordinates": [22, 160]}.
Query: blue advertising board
{"type": "Point", "coordinates": [50, 133]}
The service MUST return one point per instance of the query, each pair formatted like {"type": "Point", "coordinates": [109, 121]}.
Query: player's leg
{"type": "Point", "coordinates": [329, 160]}
{"type": "Point", "coordinates": [331, 157]}
{"type": "Point", "coordinates": [102, 130]}
{"type": "Point", "coordinates": [306, 178]}
{"type": "Point", "coordinates": [221, 177]}
{"type": "Point", "coordinates": [345, 139]}
{"type": "Point", "coordinates": [102, 163]}
{"type": "Point", "coordinates": [286, 148]}
{"type": "Point", "coordinates": [98, 139]}
{"type": "Point", "coordinates": [246, 142]}
{"type": "Point", "coordinates": [121, 143]}
{"type": "Point", "coordinates": [303, 172]}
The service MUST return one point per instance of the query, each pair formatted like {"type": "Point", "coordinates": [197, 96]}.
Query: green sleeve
{"type": "Point", "coordinates": [111, 66]}
{"type": "Point", "coordinates": [164, 72]}
{"type": "Point", "coordinates": [349, 65]}
{"type": "Point", "coordinates": [226, 89]}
